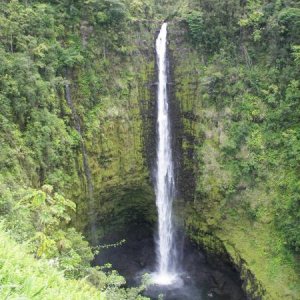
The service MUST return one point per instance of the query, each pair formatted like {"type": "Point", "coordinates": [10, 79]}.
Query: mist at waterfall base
{"type": "Point", "coordinates": [201, 280]}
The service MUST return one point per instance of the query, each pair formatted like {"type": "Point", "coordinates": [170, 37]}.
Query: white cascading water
{"type": "Point", "coordinates": [166, 262]}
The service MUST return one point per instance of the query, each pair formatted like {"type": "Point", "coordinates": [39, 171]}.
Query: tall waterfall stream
{"type": "Point", "coordinates": [164, 177]}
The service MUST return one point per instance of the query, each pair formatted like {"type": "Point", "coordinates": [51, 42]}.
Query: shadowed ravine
{"type": "Point", "coordinates": [202, 281]}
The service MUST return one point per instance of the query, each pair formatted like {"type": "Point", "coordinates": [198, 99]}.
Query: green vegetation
{"type": "Point", "coordinates": [39, 222]}
{"type": "Point", "coordinates": [237, 80]}
{"type": "Point", "coordinates": [76, 123]}
{"type": "Point", "coordinates": [71, 76]}
{"type": "Point", "coordinates": [22, 276]}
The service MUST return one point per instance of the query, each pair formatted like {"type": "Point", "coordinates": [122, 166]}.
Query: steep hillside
{"type": "Point", "coordinates": [22, 276]}
{"type": "Point", "coordinates": [236, 77]}
{"type": "Point", "coordinates": [75, 108]}
{"type": "Point", "coordinates": [75, 116]}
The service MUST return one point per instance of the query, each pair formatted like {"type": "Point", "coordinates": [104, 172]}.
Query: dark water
{"type": "Point", "coordinates": [200, 280]}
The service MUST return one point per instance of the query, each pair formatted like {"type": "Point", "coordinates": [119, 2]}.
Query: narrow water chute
{"type": "Point", "coordinates": [165, 185]}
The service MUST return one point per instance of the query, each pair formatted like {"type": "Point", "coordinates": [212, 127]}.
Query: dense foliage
{"type": "Point", "coordinates": [237, 82]}
{"type": "Point", "coordinates": [58, 59]}
{"type": "Point", "coordinates": [251, 51]}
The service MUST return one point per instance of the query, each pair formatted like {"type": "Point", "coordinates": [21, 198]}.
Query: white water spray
{"type": "Point", "coordinates": [165, 188]}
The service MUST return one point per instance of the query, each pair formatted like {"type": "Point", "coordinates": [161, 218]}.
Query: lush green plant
{"type": "Point", "coordinates": [24, 276]}
{"type": "Point", "coordinates": [195, 23]}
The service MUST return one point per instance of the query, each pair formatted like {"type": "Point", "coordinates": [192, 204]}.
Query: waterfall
{"type": "Point", "coordinates": [164, 177]}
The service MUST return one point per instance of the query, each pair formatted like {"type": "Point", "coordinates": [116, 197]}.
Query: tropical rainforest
{"type": "Point", "coordinates": [77, 139]}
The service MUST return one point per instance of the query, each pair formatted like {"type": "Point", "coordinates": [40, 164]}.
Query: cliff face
{"type": "Point", "coordinates": [217, 185]}
{"type": "Point", "coordinates": [119, 137]}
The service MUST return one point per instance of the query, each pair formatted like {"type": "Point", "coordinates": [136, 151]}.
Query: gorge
{"type": "Point", "coordinates": [195, 279]}
{"type": "Point", "coordinates": [84, 174]}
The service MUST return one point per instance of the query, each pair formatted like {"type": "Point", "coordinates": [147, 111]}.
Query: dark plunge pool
{"type": "Point", "coordinates": [200, 280]}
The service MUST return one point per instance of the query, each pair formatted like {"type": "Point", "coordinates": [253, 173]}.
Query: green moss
{"type": "Point", "coordinates": [262, 246]}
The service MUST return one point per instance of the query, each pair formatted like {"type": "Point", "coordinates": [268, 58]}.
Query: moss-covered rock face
{"type": "Point", "coordinates": [184, 96]}
{"type": "Point", "coordinates": [118, 138]}
{"type": "Point", "coordinates": [220, 251]}
{"type": "Point", "coordinates": [115, 142]}
{"type": "Point", "coordinates": [219, 198]}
